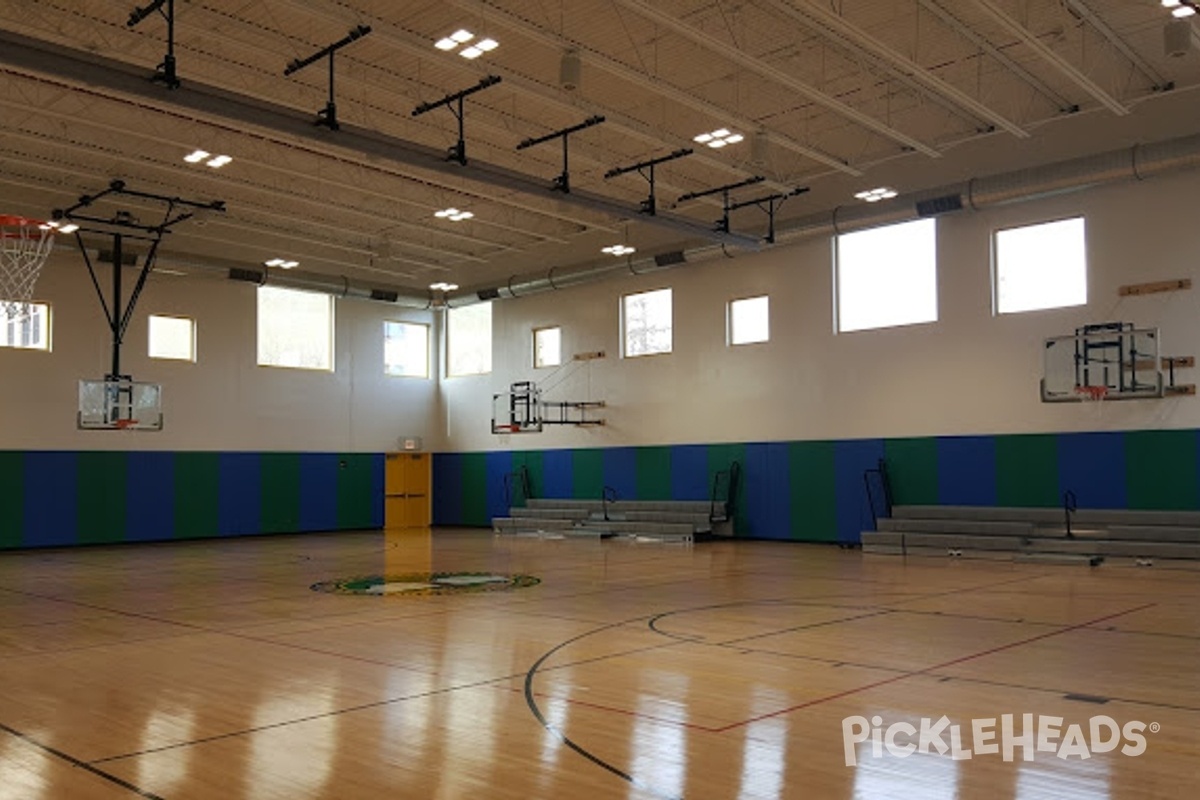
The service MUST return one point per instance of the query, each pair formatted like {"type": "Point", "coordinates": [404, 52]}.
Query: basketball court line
{"type": "Point", "coordinates": [75, 762]}
{"type": "Point", "coordinates": [943, 665]}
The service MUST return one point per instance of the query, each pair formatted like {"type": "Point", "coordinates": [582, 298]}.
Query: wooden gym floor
{"type": "Point", "coordinates": [211, 670]}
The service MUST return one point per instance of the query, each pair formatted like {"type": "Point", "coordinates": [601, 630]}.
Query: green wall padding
{"type": "Point", "coordinates": [475, 489]}
{"type": "Point", "coordinates": [1160, 470]}
{"type": "Point", "coordinates": [1027, 471]}
{"type": "Point", "coordinates": [532, 461]}
{"type": "Point", "coordinates": [197, 490]}
{"type": "Point", "coordinates": [913, 471]}
{"type": "Point", "coordinates": [812, 491]}
{"type": "Point", "coordinates": [653, 473]}
{"type": "Point", "coordinates": [280, 510]}
{"type": "Point", "coordinates": [100, 497]}
{"type": "Point", "coordinates": [12, 499]}
{"type": "Point", "coordinates": [356, 491]}
{"type": "Point", "coordinates": [587, 474]}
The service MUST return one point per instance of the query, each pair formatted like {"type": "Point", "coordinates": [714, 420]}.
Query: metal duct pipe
{"type": "Point", "coordinates": [1139, 162]}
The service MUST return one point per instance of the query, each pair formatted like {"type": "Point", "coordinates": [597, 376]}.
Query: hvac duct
{"type": "Point", "coordinates": [1130, 163]}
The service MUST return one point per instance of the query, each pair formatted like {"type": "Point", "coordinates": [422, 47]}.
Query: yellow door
{"type": "Point", "coordinates": [407, 488]}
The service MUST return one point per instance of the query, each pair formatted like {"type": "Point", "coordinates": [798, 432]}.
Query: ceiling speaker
{"type": "Point", "coordinates": [1177, 38]}
{"type": "Point", "coordinates": [570, 70]}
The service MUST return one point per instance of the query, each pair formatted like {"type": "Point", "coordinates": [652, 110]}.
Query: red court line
{"type": "Point", "coordinates": [933, 668]}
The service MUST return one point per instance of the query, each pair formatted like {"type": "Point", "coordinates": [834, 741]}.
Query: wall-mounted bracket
{"type": "Point", "coordinates": [454, 102]}
{"type": "Point", "coordinates": [769, 204]}
{"type": "Point", "coordinates": [328, 115]}
{"type": "Point", "coordinates": [723, 223]}
{"type": "Point", "coordinates": [166, 73]}
{"type": "Point", "coordinates": [646, 170]}
{"type": "Point", "coordinates": [563, 182]}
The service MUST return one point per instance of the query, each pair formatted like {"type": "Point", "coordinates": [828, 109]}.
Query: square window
{"type": "Point", "coordinates": [469, 340]}
{"type": "Point", "coordinates": [172, 338]}
{"type": "Point", "coordinates": [26, 327]}
{"type": "Point", "coordinates": [406, 349]}
{"type": "Point", "coordinates": [295, 329]}
{"type": "Point", "coordinates": [646, 323]}
{"type": "Point", "coordinates": [547, 347]}
{"type": "Point", "coordinates": [749, 320]}
{"type": "Point", "coordinates": [1040, 266]}
{"type": "Point", "coordinates": [887, 276]}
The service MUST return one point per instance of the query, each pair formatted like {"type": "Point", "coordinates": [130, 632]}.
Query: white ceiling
{"type": "Point", "coordinates": [832, 96]}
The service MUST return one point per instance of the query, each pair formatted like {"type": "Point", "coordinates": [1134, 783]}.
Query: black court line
{"type": "Point", "coordinates": [75, 762]}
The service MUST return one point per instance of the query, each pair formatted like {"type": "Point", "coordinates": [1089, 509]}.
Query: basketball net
{"type": "Point", "coordinates": [1094, 395]}
{"type": "Point", "coordinates": [25, 245]}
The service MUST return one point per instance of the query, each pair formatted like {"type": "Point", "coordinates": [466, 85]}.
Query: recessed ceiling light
{"type": "Point", "coordinates": [487, 45]}
{"type": "Point", "coordinates": [875, 195]}
{"type": "Point", "coordinates": [196, 156]}
{"type": "Point", "coordinates": [471, 52]}
{"type": "Point", "coordinates": [462, 35]}
{"type": "Point", "coordinates": [68, 228]}
{"type": "Point", "coordinates": [1183, 11]}
{"type": "Point", "coordinates": [445, 44]}
{"type": "Point", "coordinates": [442, 286]}
{"type": "Point", "coordinates": [219, 161]}
{"type": "Point", "coordinates": [282, 263]}
{"type": "Point", "coordinates": [453, 214]}
{"type": "Point", "coordinates": [718, 138]}
{"type": "Point", "coordinates": [618, 250]}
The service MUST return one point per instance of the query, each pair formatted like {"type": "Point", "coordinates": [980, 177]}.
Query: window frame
{"type": "Point", "coordinates": [729, 342]}
{"type": "Point", "coordinates": [332, 339]}
{"type": "Point", "coordinates": [543, 329]}
{"type": "Point", "coordinates": [839, 292]}
{"type": "Point", "coordinates": [150, 338]}
{"type": "Point", "coordinates": [387, 367]}
{"type": "Point", "coordinates": [625, 323]}
{"type": "Point", "coordinates": [994, 252]}
{"type": "Point", "coordinates": [491, 341]}
{"type": "Point", "coordinates": [45, 330]}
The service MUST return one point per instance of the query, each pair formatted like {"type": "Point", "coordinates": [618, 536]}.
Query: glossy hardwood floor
{"type": "Point", "coordinates": [728, 670]}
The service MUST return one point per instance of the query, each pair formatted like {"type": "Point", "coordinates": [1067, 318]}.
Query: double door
{"type": "Point", "coordinates": [407, 490]}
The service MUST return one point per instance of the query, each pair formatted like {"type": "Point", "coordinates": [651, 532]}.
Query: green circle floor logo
{"type": "Point", "coordinates": [426, 583]}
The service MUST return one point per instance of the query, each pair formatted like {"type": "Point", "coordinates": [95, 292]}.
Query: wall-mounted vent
{"type": "Point", "coordinates": [670, 259]}
{"type": "Point", "coordinates": [385, 295]}
{"type": "Point", "coordinates": [939, 205]}
{"type": "Point", "coordinates": [248, 275]}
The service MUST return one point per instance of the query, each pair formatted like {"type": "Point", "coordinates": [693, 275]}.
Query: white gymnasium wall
{"type": "Point", "coordinates": [969, 373]}
{"type": "Point", "coordinates": [224, 401]}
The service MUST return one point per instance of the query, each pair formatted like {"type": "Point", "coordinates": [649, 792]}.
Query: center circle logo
{"type": "Point", "coordinates": [426, 583]}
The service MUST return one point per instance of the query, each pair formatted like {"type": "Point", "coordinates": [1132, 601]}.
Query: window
{"type": "Point", "coordinates": [749, 320]}
{"type": "Point", "coordinates": [887, 276]}
{"type": "Point", "coordinates": [647, 322]}
{"type": "Point", "coordinates": [173, 338]}
{"type": "Point", "coordinates": [469, 340]}
{"type": "Point", "coordinates": [26, 331]}
{"type": "Point", "coordinates": [406, 349]}
{"type": "Point", "coordinates": [1040, 266]}
{"type": "Point", "coordinates": [547, 347]}
{"type": "Point", "coordinates": [295, 329]}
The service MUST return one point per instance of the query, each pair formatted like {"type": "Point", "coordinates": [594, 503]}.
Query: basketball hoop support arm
{"type": "Point", "coordinates": [454, 102]}
{"type": "Point", "coordinates": [328, 115]}
{"type": "Point", "coordinates": [563, 182]}
{"type": "Point", "coordinates": [166, 70]}
{"type": "Point", "coordinates": [646, 170]}
{"type": "Point", "coordinates": [122, 226]}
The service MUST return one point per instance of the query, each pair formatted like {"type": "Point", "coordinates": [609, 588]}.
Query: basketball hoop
{"type": "Point", "coordinates": [1091, 394]}
{"type": "Point", "coordinates": [25, 245]}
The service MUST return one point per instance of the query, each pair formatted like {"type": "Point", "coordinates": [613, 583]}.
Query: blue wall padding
{"type": "Point", "coordinates": [1093, 466]}
{"type": "Point", "coordinates": [620, 471]}
{"type": "Point", "coordinates": [499, 464]}
{"type": "Point", "coordinates": [850, 460]}
{"type": "Point", "coordinates": [447, 488]}
{"type": "Point", "coordinates": [765, 490]}
{"type": "Point", "coordinates": [558, 477]}
{"type": "Point", "coordinates": [967, 471]}
{"type": "Point", "coordinates": [150, 496]}
{"type": "Point", "coordinates": [689, 472]}
{"type": "Point", "coordinates": [318, 491]}
{"type": "Point", "coordinates": [50, 499]}
{"type": "Point", "coordinates": [240, 493]}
